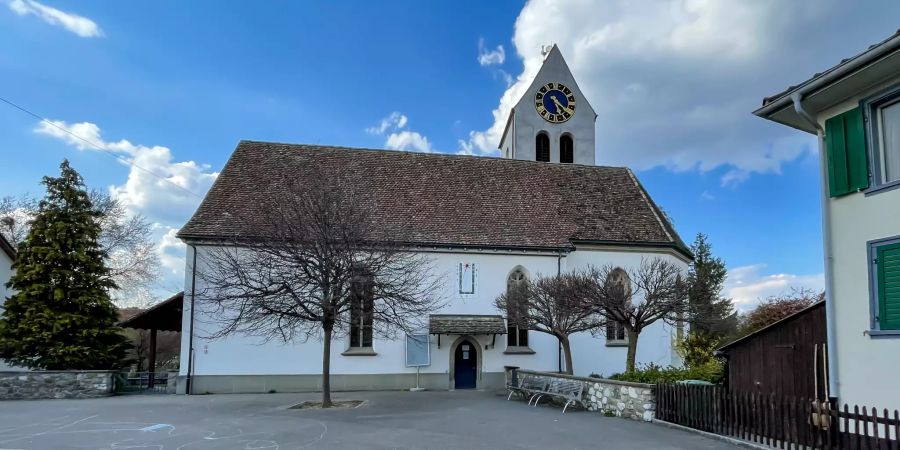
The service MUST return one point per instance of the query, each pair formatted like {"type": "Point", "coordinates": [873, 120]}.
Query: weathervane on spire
{"type": "Point", "coordinates": [546, 48]}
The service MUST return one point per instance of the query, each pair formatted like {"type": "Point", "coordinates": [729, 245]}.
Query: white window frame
{"type": "Point", "coordinates": [871, 108]}
{"type": "Point", "coordinates": [616, 342]}
{"type": "Point", "coordinates": [462, 287]}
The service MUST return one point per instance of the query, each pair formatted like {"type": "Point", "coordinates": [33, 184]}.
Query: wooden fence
{"type": "Point", "coordinates": [777, 421]}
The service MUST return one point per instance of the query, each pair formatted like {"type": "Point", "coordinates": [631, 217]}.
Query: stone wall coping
{"type": "Point", "coordinates": [589, 379]}
{"type": "Point", "coordinates": [44, 372]}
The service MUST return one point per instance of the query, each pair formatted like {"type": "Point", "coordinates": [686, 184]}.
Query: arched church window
{"type": "Point", "coordinates": [566, 149]}
{"type": "Point", "coordinates": [542, 147]}
{"type": "Point", "coordinates": [517, 330]}
{"type": "Point", "coordinates": [361, 310]}
{"type": "Point", "coordinates": [620, 287]}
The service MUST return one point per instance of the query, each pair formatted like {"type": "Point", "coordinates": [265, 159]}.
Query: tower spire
{"type": "Point", "coordinates": [552, 122]}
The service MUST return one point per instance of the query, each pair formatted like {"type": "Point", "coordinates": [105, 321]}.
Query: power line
{"type": "Point", "coordinates": [98, 147]}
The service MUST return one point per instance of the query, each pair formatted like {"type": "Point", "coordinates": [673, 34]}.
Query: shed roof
{"type": "Point", "coordinates": [163, 316]}
{"type": "Point", "coordinates": [816, 305]}
{"type": "Point", "coordinates": [445, 200]}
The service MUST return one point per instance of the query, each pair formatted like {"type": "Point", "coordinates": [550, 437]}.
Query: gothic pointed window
{"type": "Point", "coordinates": [361, 311]}
{"type": "Point", "coordinates": [566, 149]}
{"type": "Point", "coordinates": [542, 147]}
{"type": "Point", "coordinates": [620, 282]}
{"type": "Point", "coordinates": [517, 330]}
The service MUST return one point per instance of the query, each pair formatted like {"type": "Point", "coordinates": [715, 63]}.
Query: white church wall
{"type": "Point", "coordinates": [6, 273]}
{"type": "Point", "coordinates": [590, 354]}
{"type": "Point", "coordinates": [239, 355]}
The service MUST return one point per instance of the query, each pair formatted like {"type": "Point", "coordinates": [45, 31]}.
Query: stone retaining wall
{"type": "Point", "coordinates": [56, 384]}
{"type": "Point", "coordinates": [621, 398]}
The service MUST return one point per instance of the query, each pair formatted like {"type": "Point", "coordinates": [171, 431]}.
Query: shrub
{"type": "Point", "coordinates": [651, 373]}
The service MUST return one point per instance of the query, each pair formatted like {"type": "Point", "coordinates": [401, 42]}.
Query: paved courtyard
{"type": "Point", "coordinates": [462, 419]}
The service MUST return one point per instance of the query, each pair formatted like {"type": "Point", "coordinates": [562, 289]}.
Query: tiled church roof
{"type": "Point", "coordinates": [452, 200]}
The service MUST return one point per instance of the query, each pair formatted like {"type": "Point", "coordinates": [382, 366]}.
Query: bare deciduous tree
{"type": "Point", "coordinates": [15, 213]}
{"type": "Point", "coordinates": [126, 239]}
{"type": "Point", "coordinates": [317, 268]}
{"type": "Point", "coordinates": [557, 305]}
{"type": "Point", "coordinates": [131, 253]}
{"type": "Point", "coordinates": [651, 292]}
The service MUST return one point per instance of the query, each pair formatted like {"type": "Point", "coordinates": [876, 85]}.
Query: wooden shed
{"type": "Point", "coordinates": [787, 357]}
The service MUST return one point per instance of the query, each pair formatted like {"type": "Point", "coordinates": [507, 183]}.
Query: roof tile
{"type": "Point", "coordinates": [436, 199]}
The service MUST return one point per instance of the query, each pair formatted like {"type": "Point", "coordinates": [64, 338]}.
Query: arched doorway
{"type": "Point", "coordinates": [465, 364]}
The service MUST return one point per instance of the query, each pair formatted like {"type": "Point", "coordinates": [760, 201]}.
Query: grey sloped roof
{"type": "Point", "coordinates": [437, 199]}
{"type": "Point", "coordinates": [7, 247]}
{"type": "Point", "coordinates": [888, 44]}
{"type": "Point", "coordinates": [466, 324]}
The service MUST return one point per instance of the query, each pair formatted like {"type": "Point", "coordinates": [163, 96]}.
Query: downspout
{"type": "Point", "coordinates": [832, 384]}
{"type": "Point", "coordinates": [558, 343]}
{"type": "Point", "coordinates": [190, 368]}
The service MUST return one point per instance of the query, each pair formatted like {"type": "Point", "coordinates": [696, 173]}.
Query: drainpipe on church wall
{"type": "Point", "coordinates": [190, 369]}
{"type": "Point", "coordinates": [558, 343]}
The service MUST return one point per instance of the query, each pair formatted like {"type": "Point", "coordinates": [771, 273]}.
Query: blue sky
{"type": "Point", "coordinates": [173, 86]}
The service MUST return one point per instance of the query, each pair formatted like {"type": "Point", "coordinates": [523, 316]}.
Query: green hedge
{"type": "Point", "coordinates": [654, 373]}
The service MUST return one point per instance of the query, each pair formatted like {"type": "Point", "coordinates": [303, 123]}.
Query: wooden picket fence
{"type": "Point", "coordinates": [777, 421]}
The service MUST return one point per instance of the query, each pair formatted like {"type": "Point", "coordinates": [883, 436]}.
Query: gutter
{"type": "Point", "coordinates": [842, 70]}
{"type": "Point", "coordinates": [833, 385]}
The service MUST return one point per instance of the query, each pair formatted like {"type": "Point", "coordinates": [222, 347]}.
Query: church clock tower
{"type": "Point", "coordinates": [552, 122]}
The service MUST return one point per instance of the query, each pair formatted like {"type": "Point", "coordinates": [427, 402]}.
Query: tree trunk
{"type": "Point", "coordinates": [632, 349]}
{"type": "Point", "coordinates": [567, 351]}
{"type": "Point", "coordinates": [326, 368]}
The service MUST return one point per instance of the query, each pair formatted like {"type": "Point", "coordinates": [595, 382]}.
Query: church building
{"type": "Point", "coordinates": [488, 224]}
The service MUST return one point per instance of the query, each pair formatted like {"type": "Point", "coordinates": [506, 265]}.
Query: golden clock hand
{"type": "Point", "coordinates": [559, 107]}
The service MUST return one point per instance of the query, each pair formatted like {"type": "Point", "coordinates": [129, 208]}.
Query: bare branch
{"type": "Point", "coordinates": [559, 305]}
{"type": "Point", "coordinates": [314, 268]}
{"type": "Point", "coordinates": [651, 292]}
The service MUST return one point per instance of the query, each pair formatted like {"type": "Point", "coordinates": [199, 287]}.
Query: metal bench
{"type": "Point", "coordinates": [529, 385]}
{"type": "Point", "coordinates": [568, 390]}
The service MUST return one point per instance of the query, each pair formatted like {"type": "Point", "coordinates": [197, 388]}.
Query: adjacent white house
{"type": "Point", "coordinates": [854, 109]}
{"type": "Point", "coordinates": [486, 223]}
{"type": "Point", "coordinates": [7, 255]}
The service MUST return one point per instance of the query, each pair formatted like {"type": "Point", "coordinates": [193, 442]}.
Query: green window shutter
{"type": "Point", "coordinates": [845, 151]}
{"type": "Point", "coordinates": [889, 286]}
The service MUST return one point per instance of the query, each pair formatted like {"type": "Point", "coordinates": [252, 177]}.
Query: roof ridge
{"type": "Point", "coordinates": [427, 154]}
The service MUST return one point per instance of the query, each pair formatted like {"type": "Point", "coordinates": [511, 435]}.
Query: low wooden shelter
{"type": "Point", "coordinates": [787, 357]}
{"type": "Point", "coordinates": [164, 316]}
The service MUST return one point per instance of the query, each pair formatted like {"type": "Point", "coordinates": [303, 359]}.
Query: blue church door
{"type": "Point", "coordinates": [465, 365]}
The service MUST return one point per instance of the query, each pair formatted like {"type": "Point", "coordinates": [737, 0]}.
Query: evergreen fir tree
{"type": "Point", "coordinates": [710, 313]}
{"type": "Point", "coordinates": [712, 318]}
{"type": "Point", "coordinates": [60, 316]}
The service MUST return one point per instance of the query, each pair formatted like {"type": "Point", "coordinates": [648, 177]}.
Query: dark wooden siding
{"type": "Point", "coordinates": [781, 358]}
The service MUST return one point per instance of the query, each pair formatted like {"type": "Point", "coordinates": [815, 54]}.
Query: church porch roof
{"type": "Point", "coordinates": [466, 324]}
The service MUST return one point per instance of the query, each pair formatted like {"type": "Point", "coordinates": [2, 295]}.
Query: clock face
{"type": "Point", "coordinates": [555, 102]}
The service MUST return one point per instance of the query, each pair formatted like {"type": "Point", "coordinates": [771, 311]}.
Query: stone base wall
{"type": "Point", "coordinates": [620, 398]}
{"type": "Point", "coordinates": [250, 384]}
{"type": "Point", "coordinates": [56, 384]}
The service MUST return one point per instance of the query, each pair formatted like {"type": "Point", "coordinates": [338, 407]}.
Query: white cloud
{"type": "Point", "coordinates": [80, 25]}
{"type": "Point", "coordinates": [171, 253]}
{"type": "Point", "coordinates": [158, 187]}
{"type": "Point", "coordinates": [673, 81]}
{"type": "Point", "coordinates": [400, 138]}
{"type": "Point", "coordinates": [394, 121]}
{"type": "Point", "coordinates": [408, 140]}
{"type": "Point", "coordinates": [708, 196]}
{"type": "Point", "coordinates": [488, 57]}
{"type": "Point", "coordinates": [747, 285]}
